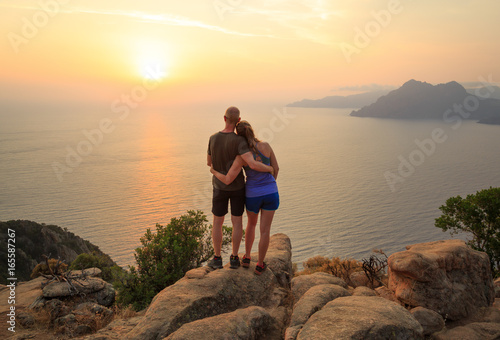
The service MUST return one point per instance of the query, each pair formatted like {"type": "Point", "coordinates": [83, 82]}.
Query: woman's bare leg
{"type": "Point", "coordinates": [266, 219]}
{"type": "Point", "coordinates": [250, 232]}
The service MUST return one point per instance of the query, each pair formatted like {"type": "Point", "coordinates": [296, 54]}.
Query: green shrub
{"type": "Point", "coordinates": [479, 215]}
{"type": "Point", "coordinates": [165, 256]}
{"type": "Point", "coordinates": [101, 261]}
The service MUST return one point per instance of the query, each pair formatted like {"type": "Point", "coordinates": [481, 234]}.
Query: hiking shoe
{"type": "Point", "coordinates": [260, 269]}
{"type": "Point", "coordinates": [215, 263]}
{"type": "Point", "coordinates": [234, 262]}
{"type": "Point", "coordinates": [245, 262]}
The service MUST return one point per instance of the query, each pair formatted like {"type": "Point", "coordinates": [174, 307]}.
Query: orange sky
{"type": "Point", "coordinates": [239, 50]}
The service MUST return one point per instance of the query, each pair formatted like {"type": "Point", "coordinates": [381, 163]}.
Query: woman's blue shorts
{"type": "Point", "coordinates": [266, 202]}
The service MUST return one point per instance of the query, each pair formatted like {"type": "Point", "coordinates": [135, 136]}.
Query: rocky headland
{"type": "Point", "coordinates": [33, 240]}
{"type": "Point", "coordinates": [447, 102]}
{"type": "Point", "coordinates": [438, 290]}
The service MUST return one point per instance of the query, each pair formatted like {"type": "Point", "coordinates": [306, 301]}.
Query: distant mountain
{"type": "Point", "coordinates": [490, 92]}
{"type": "Point", "coordinates": [352, 101]}
{"type": "Point", "coordinates": [420, 100]}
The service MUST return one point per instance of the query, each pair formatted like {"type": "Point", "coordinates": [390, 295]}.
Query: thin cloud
{"type": "Point", "coordinates": [298, 20]}
{"type": "Point", "coordinates": [170, 20]}
{"type": "Point", "coordinates": [162, 19]}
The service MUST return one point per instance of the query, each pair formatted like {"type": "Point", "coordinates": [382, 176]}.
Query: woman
{"type": "Point", "coordinates": [261, 193]}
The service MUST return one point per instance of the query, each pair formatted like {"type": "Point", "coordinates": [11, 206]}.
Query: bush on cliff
{"type": "Point", "coordinates": [95, 260]}
{"type": "Point", "coordinates": [165, 256]}
{"type": "Point", "coordinates": [479, 215]}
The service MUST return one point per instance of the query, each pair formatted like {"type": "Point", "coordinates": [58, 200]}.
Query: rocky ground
{"type": "Point", "coordinates": [438, 290]}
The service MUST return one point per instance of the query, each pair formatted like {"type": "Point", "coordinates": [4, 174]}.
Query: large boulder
{"type": "Point", "coordinates": [359, 279]}
{"type": "Point", "coordinates": [312, 301]}
{"type": "Point", "coordinates": [361, 317]}
{"type": "Point", "coordinates": [445, 276]}
{"type": "Point", "coordinates": [84, 286]}
{"type": "Point", "coordinates": [303, 283]}
{"type": "Point", "coordinates": [204, 293]}
{"type": "Point", "coordinates": [363, 291]}
{"type": "Point", "coordinates": [472, 331]}
{"type": "Point", "coordinates": [117, 329]}
{"type": "Point", "coordinates": [252, 323]}
{"type": "Point", "coordinates": [496, 284]}
{"type": "Point", "coordinates": [430, 320]}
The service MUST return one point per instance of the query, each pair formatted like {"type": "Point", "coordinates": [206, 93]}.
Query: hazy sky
{"type": "Point", "coordinates": [231, 50]}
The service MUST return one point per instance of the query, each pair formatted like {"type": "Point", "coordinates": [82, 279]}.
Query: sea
{"type": "Point", "coordinates": [348, 185]}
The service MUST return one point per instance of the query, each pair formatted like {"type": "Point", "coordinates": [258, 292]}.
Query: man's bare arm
{"type": "Point", "coordinates": [209, 160]}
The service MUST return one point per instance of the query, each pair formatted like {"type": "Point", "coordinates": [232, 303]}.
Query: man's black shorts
{"type": "Point", "coordinates": [221, 198]}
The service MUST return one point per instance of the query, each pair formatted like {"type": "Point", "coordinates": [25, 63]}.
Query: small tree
{"type": "Point", "coordinates": [478, 214]}
{"type": "Point", "coordinates": [165, 256]}
{"type": "Point", "coordinates": [101, 261]}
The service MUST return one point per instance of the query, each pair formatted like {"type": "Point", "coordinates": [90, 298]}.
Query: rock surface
{"type": "Point", "coordinates": [386, 293]}
{"type": "Point", "coordinates": [430, 321]}
{"type": "Point", "coordinates": [364, 291]}
{"type": "Point", "coordinates": [496, 283]}
{"type": "Point", "coordinates": [303, 283]}
{"type": "Point", "coordinates": [445, 276]}
{"type": "Point", "coordinates": [60, 289]}
{"type": "Point", "coordinates": [312, 301]}
{"type": "Point", "coordinates": [472, 331]}
{"type": "Point", "coordinates": [26, 293]}
{"type": "Point", "coordinates": [252, 323]}
{"type": "Point", "coordinates": [205, 293]}
{"type": "Point", "coordinates": [359, 279]}
{"type": "Point", "coordinates": [361, 317]}
{"type": "Point", "coordinates": [237, 304]}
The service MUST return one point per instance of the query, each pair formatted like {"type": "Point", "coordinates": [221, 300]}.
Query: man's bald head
{"type": "Point", "coordinates": [232, 115]}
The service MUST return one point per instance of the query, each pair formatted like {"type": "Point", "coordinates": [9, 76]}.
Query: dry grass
{"type": "Point", "coordinates": [336, 266]}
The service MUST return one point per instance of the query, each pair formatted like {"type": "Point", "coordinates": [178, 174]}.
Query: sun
{"type": "Point", "coordinates": [152, 60]}
{"type": "Point", "coordinates": [153, 69]}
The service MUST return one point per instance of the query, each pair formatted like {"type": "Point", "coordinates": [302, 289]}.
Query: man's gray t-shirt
{"type": "Point", "coordinates": [223, 147]}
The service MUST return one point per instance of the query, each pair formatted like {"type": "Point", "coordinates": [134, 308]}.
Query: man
{"type": "Point", "coordinates": [223, 147]}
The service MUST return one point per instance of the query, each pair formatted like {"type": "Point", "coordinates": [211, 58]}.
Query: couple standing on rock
{"type": "Point", "coordinates": [228, 152]}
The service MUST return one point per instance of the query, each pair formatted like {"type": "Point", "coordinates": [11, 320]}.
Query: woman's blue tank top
{"type": "Point", "coordinates": [259, 183]}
